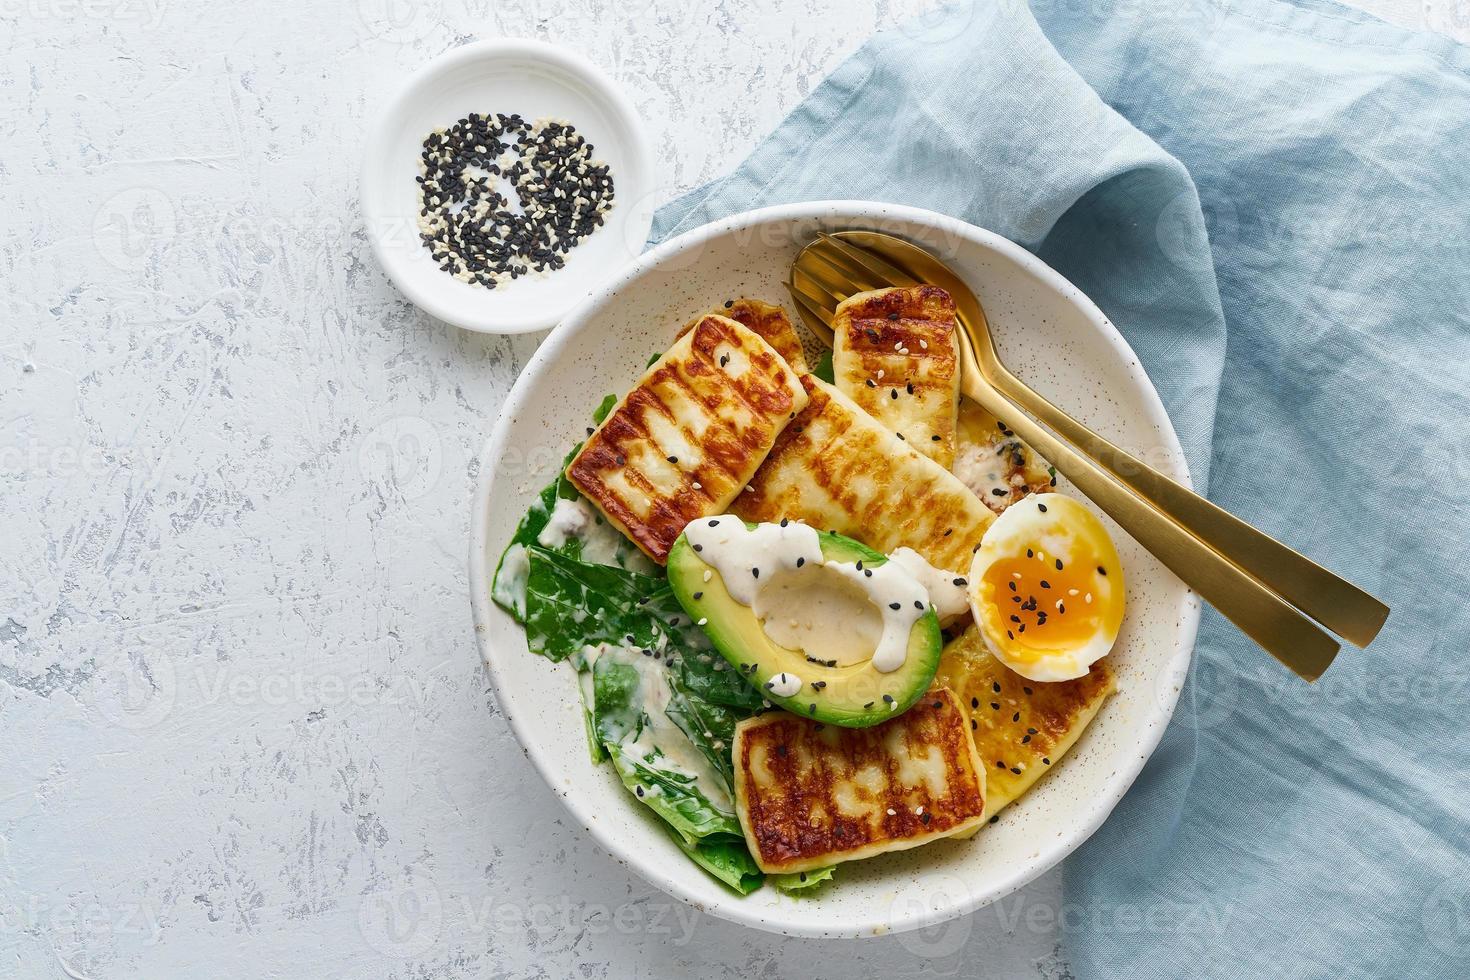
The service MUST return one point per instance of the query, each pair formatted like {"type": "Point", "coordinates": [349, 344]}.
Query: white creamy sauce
{"type": "Point", "coordinates": [986, 469]}
{"type": "Point", "coordinates": [660, 743]}
{"type": "Point", "coordinates": [777, 570]}
{"type": "Point", "coordinates": [784, 685]}
{"type": "Point", "coordinates": [947, 590]}
{"type": "Point", "coordinates": [602, 544]}
{"type": "Point", "coordinates": [510, 579]}
{"type": "Point", "coordinates": [828, 617]}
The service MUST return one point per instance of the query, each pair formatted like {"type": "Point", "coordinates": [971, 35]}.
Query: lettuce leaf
{"type": "Point", "coordinates": [800, 881]}
{"type": "Point", "coordinates": [824, 369]}
{"type": "Point", "coordinates": [571, 604]}
{"type": "Point", "coordinates": [725, 857]}
{"type": "Point", "coordinates": [673, 795]}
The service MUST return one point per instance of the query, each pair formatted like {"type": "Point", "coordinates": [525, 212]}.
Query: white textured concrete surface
{"type": "Point", "coordinates": [244, 724]}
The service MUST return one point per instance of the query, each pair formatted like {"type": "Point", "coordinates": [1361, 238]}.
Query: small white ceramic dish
{"type": "Point", "coordinates": [1055, 338]}
{"type": "Point", "coordinates": [533, 79]}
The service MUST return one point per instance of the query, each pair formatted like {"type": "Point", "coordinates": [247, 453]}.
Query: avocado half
{"type": "Point", "coordinates": [853, 695]}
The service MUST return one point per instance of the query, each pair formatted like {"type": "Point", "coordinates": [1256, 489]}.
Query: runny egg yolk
{"type": "Point", "coordinates": [1044, 599]}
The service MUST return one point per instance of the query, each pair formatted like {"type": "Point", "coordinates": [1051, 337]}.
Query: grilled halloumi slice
{"type": "Point", "coordinates": [810, 795]}
{"type": "Point", "coordinates": [1021, 727]}
{"type": "Point", "coordinates": [689, 435]}
{"type": "Point", "coordinates": [893, 352]}
{"type": "Point", "coordinates": [770, 323]}
{"type": "Point", "coordinates": [994, 463]}
{"type": "Point", "coordinates": [837, 469]}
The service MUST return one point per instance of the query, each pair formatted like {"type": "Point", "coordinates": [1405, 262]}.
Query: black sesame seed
{"type": "Point", "coordinates": [1041, 507]}
{"type": "Point", "coordinates": [974, 702]}
{"type": "Point", "coordinates": [960, 581]}
{"type": "Point", "coordinates": [871, 383]}
{"type": "Point", "coordinates": [910, 387]}
{"type": "Point", "coordinates": [926, 817]}
{"type": "Point", "coordinates": [699, 547]}
{"type": "Point", "coordinates": [894, 393]}
{"type": "Point", "coordinates": [995, 706]}
{"type": "Point", "coordinates": [974, 724]}
{"type": "Point", "coordinates": [918, 605]}
{"type": "Point", "coordinates": [1013, 586]}
{"type": "Point", "coordinates": [1015, 770]}
{"type": "Point", "coordinates": [893, 316]}
{"type": "Point", "coordinates": [729, 303]}
{"type": "Point", "coordinates": [1101, 570]}
{"type": "Point", "coordinates": [1029, 731]}
{"type": "Point", "coordinates": [867, 706]}
{"type": "Point", "coordinates": [1026, 689]}
{"type": "Point", "coordinates": [698, 596]}
{"type": "Point", "coordinates": [937, 705]}
{"type": "Point", "coordinates": [895, 605]}
{"type": "Point", "coordinates": [1045, 761]}
{"type": "Point", "coordinates": [1059, 564]}
{"type": "Point", "coordinates": [672, 459]}
{"type": "Point", "coordinates": [756, 572]}
{"type": "Point", "coordinates": [995, 686]}
{"type": "Point", "coordinates": [888, 699]}
{"type": "Point", "coordinates": [997, 816]}
{"type": "Point", "coordinates": [1045, 584]}
{"type": "Point", "coordinates": [811, 709]}
{"type": "Point", "coordinates": [1030, 553]}
{"type": "Point", "coordinates": [998, 491]}
{"type": "Point", "coordinates": [784, 522]}
{"type": "Point", "coordinates": [1016, 716]}
{"type": "Point", "coordinates": [800, 562]}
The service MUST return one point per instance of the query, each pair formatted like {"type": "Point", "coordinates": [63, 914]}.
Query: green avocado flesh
{"type": "Point", "coordinates": [853, 693]}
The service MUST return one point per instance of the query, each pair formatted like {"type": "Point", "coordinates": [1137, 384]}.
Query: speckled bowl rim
{"type": "Point", "coordinates": [481, 570]}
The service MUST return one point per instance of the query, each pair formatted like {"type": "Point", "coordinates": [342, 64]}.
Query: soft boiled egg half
{"type": "Point", "coordinates": [1046, 588]}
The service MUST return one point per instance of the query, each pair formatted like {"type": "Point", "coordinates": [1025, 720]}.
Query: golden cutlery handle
{"type": "Point", "coordinates": [1259, 612]}
{"type": "Point", "coordinates": [1334, 602]}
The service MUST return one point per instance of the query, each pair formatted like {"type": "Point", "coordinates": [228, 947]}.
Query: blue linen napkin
{"type": "Point", "coordinates": [1314, 354]}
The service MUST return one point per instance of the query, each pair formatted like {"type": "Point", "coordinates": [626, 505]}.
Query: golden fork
{"type": "Point", "coordinates": [1256, 582]}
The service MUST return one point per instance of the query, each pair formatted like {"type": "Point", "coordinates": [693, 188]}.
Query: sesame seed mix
{"type": "Point", "coordinates": [474, 232]}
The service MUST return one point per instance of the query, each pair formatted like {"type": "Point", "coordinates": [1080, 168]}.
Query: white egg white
{"type": "Point", "coordinates": [1033, 535]}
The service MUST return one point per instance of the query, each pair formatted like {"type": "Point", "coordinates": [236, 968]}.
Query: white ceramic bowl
{"type": "Point", "coordinates": [533, 79]}
{"type": "Point", "coordinates": [1054, 337]}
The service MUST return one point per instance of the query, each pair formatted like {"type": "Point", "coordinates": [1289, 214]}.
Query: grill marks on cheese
{"type": "Point", "coordinates": [1052, 716]}
{"type": "Point", "coordinates": [684, 442]}
{"type": "Point", "coordinates": [836, 468]}
{"type": "Point", "coordinates": [894, 355]}
{"type": "Point", "coordinates": [810, 795]}
{"type": "Point", "coordinates": [770, 323]}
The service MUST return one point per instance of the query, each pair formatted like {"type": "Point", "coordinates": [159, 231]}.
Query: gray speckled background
{"type": "Point", "coordinates": [244, 724]}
